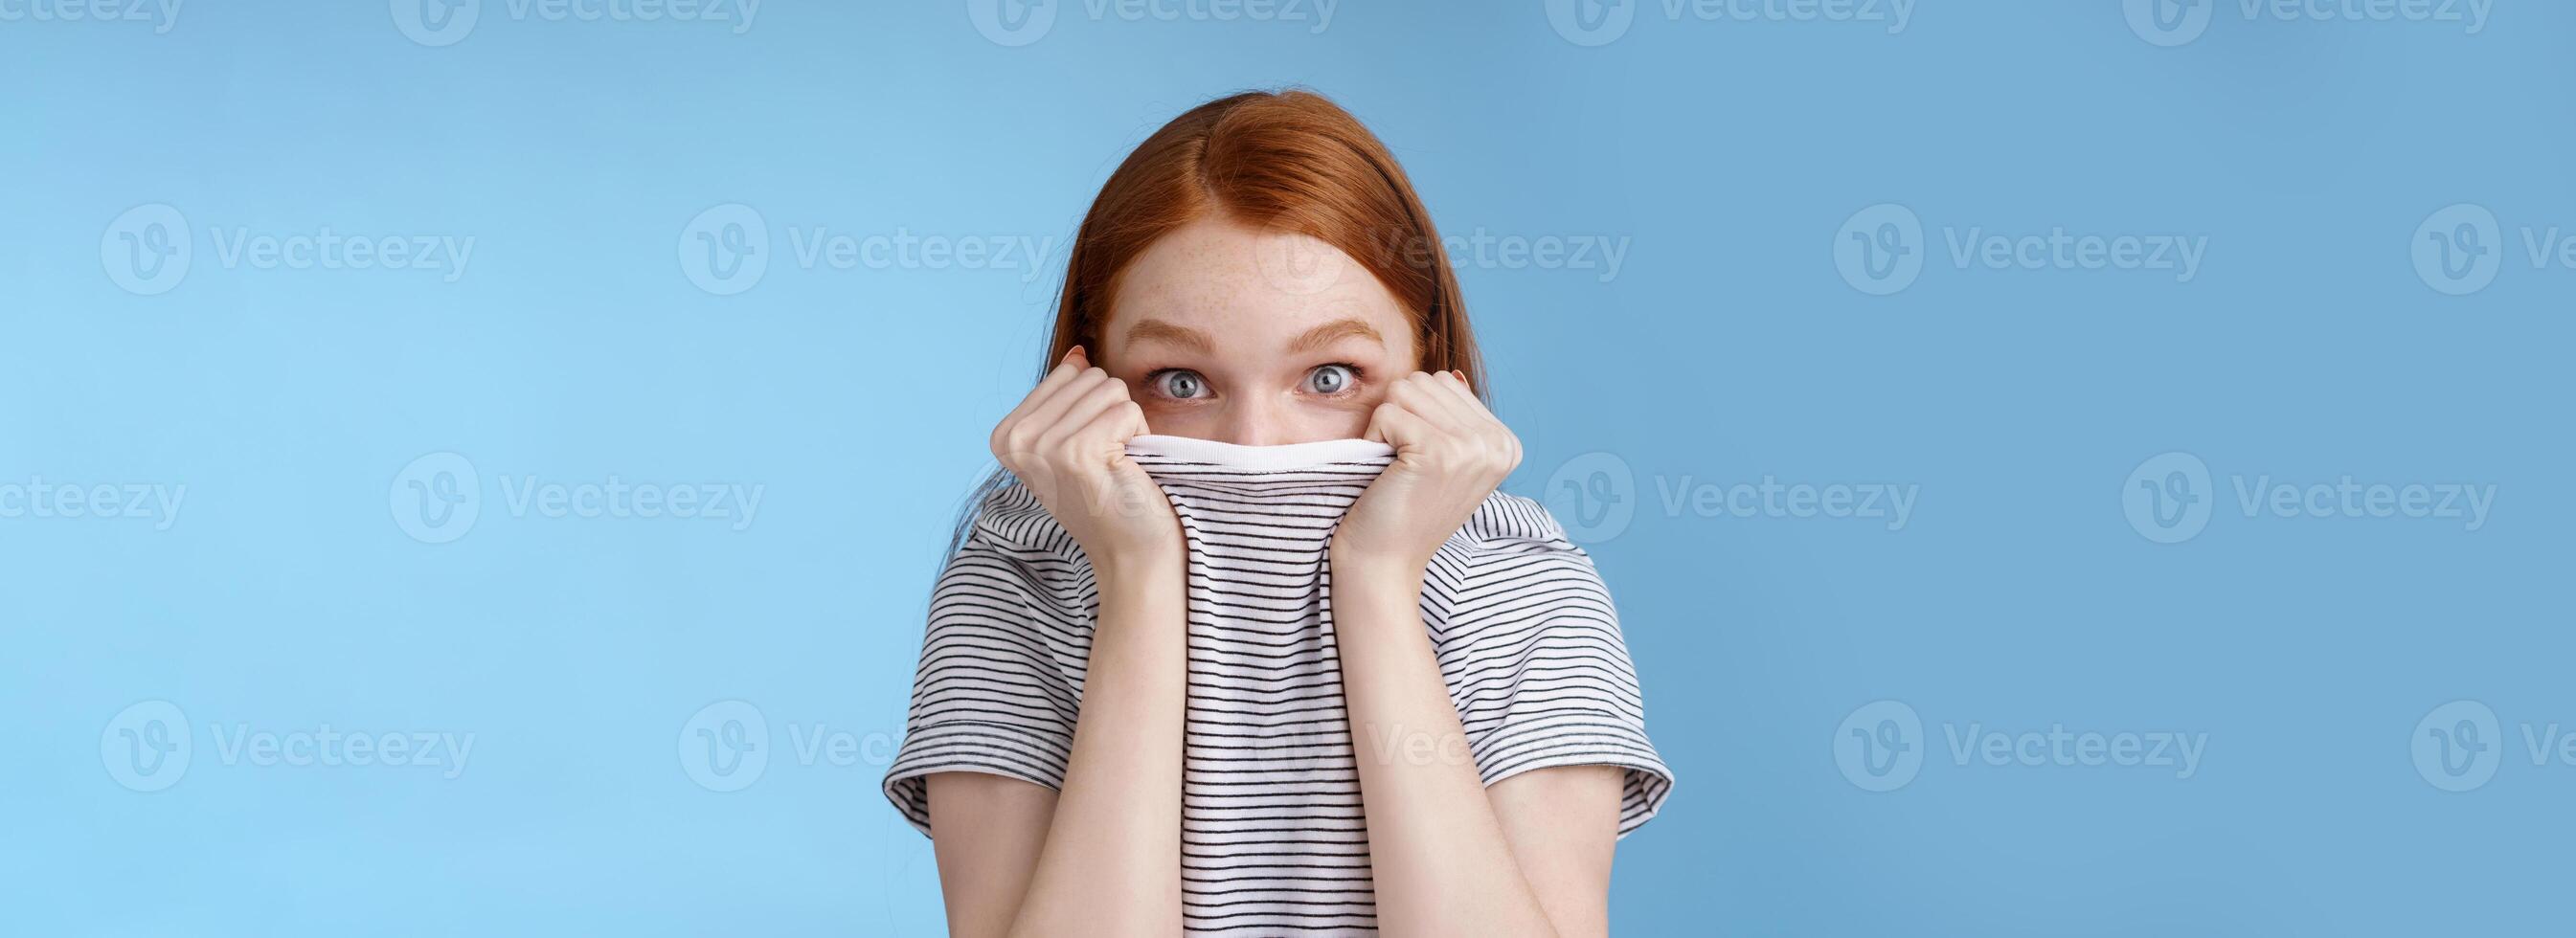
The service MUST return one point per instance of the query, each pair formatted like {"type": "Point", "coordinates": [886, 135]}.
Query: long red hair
{"type": "Point", "coordinates": [1290, 161]}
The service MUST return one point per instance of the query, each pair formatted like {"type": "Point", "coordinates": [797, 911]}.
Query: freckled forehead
{"type": "Point", "coordinates": [1238, 283]}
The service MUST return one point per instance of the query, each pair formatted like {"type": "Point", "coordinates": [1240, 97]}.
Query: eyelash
{"type": "Point", "coordinates": [1154, 380]}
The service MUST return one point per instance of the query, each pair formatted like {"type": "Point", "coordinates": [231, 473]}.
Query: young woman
{"type": "Point", "coordinates": [1261, 342]}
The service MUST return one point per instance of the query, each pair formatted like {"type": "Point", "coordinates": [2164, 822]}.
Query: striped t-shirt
{"type": "Point", "coordinates": [1272, 831]}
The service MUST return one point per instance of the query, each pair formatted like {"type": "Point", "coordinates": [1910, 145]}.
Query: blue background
{"type": "Point", "coordinates": [285, 594]}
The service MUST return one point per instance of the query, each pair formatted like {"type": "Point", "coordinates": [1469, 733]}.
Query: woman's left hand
{"type": "Point", "coordinates": [1450, 453]}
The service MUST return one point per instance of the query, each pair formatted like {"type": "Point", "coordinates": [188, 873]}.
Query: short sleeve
{"type": "Point", "coordinates": [1530, 645]}
{"type": "Point", "coordinates": [1002, 661]}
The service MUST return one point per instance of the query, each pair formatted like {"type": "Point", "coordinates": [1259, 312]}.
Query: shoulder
{"type": "Point", "coordinates": [1512, 524]}
{"type": "Point", "coordinates": [1014, 541]}
{"type": "Point", "coordinates": [1511, 552]}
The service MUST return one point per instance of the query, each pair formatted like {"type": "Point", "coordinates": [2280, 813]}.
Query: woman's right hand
{"type": "Point", "coordinates": [1067, 442]}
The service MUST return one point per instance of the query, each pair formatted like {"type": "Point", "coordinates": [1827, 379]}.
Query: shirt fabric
{"type": "Point", "coordinates": [1273, 836]}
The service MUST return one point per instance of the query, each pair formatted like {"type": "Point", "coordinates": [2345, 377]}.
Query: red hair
{"type": "Point", "coordinates": [1290, 161]}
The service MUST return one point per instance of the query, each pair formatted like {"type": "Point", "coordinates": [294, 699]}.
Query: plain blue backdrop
{"type": "Point", "coordinates": [493, 506]}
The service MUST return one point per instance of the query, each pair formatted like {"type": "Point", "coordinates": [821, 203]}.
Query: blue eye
{"type": "Point", "coordinates": [1331, 379]}
{"type": "Point", "coordinates": [1179, 384]}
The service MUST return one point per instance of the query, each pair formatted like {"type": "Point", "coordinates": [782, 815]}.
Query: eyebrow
{"type": "Point", "coordinates": [1331, 332]}
{"type": "Point", "coordinates": [1156, 330]}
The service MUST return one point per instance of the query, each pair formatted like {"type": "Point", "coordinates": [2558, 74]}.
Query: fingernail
{"type": "Point", "coordinates": [1074, 353]}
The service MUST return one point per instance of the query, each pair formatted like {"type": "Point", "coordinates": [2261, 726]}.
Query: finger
{"type": "Point", "coordinates": [1458, 389]}
{"type": "Point", "coordinates": [1398, 426]}
{"type": "Point", "coordinates": [1072, 428]}
{"type": "Point", "coordinates": [1043, 418]}
{"type": "Point", "coordinates": [1421, 393]}
{"type": "Point", "coordinates": [1066, 368]}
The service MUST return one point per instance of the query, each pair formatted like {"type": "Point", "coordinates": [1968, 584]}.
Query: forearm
{"type": "Point", "coordinates": [1438, 856]}
{"type": "Point", "coordinates": [1111, 863]}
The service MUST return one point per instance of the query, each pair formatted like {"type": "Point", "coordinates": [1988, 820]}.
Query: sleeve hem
{"type": "Point", "coordinates": [968, 746]}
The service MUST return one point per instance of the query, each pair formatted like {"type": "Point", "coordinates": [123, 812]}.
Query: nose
{"type": "Point", "coordinates": [1256, 420]}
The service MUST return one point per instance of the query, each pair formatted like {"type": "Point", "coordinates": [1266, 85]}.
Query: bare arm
{"type": "Point", "coordinates": [1103, 855]}
{"type": "Point", "coordinates": [1530, 857]}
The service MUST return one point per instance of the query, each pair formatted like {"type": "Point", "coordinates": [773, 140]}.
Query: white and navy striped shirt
{"type": "Point", "coordinates": [1271, 827]}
